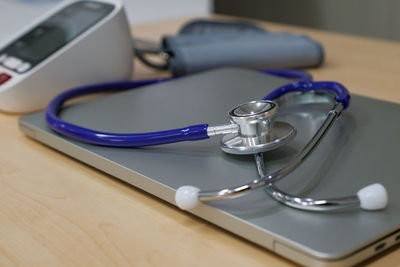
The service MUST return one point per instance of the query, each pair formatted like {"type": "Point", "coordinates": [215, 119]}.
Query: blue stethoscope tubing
{"type": "Point", "coordinates": [188, 133]}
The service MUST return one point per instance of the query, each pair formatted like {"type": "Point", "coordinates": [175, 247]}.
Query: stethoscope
{"type": "Point", "coordinates": [252, 130]}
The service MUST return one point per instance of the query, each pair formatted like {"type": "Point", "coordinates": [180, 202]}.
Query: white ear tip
{"type": "Point", "coordinates": [186, 197]}
{"type": "Point", "coordinates": [373, 197]}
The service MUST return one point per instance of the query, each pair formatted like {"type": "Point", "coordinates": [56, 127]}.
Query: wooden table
{"type": "Point", "coordinates": [55, 210]}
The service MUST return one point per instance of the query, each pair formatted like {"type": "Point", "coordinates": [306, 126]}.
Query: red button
{"type": "Point", "coordinates": [4, 77]}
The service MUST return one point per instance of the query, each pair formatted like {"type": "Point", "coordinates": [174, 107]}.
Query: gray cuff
{"type": "Point", "coordinates": [206, 45]}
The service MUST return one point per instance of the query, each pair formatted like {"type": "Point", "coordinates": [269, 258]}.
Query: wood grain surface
{"type": "Point", "coordinates": [56, 211]}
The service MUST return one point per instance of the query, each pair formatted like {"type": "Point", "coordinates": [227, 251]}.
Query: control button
{"type": "Point", "coordinates": [3, 57]}
{"type": "Point", "coordinates": [12, 62]}
{"type": "Point", "coordinates": [4, 77]}
{"type": "Point", "coordinates": [23, 67]}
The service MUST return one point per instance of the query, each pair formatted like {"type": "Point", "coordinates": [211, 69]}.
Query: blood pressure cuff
{"type": "Point", "coordinates": [202, 45]}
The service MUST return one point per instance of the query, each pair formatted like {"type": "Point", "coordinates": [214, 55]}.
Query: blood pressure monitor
{"type": "Point", "coordinates": [75, 44]}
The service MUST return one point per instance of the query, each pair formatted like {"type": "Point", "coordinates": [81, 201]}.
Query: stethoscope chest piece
{"type": "Point", "coordinates": [256, 129]}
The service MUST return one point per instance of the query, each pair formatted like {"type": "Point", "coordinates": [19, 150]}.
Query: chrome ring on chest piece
{"type": "Point", "coordinates": [256, 129]}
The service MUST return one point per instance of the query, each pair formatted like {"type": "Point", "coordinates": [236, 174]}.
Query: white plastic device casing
{"type": "Point", "coordinates": [102, 53]}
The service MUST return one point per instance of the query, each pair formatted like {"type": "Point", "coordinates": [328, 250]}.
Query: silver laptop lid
{"type": "Point", "coordinates": [360, 149]}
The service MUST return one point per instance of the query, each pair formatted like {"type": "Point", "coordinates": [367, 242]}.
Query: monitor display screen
{"type": "Point", "coordinates": [57, 31]}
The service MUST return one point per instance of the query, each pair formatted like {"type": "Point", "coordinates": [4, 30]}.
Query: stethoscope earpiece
{"type": "Point", "coordinates": [373, 197]}
{"type": "Point", "coordinates": [186, 197]}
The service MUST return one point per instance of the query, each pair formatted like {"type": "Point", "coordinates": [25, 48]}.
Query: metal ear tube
{"type": "Point", "coordinates": [372, 197]}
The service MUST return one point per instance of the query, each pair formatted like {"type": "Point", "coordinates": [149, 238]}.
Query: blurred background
{"type": "Point", "coordinates": [372, 18]}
